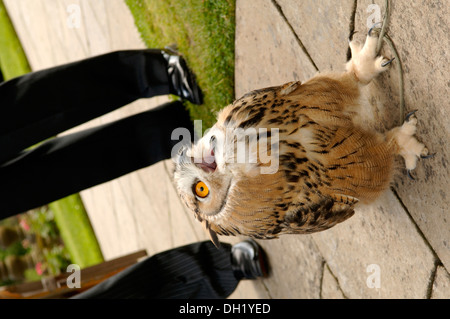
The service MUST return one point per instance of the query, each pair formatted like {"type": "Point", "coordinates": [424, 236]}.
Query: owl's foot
{"type": "Point", "coordinates": [365, 64]}
{"type": "Point", "coordinates": [409, 147]}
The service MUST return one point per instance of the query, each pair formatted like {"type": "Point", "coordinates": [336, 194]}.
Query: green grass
{"type": "Point", "coordinates": [13, 61]}
{"type": "Point", "coordinates": [204, 33]}
{"type": "Point", "coordinates": [70, 214]}
{"type": "Point", "coordinates": [76, 231]}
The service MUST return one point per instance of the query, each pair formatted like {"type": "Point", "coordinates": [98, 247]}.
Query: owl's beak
{"type": "Point", "coordinates": [207, 164]}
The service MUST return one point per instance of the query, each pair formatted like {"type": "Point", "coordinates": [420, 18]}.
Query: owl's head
{"type": "Point", "coordinates": [203, 180]}
{"type": "Point", "coordinates": [222, 189]}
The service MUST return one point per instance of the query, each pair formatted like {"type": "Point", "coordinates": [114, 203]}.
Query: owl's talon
{"type": "Point", "coordinates": [408, 172]}
{"type": "Point", "coordinates": [387, 62]}
{"type": "Point", "coordinates": [374, 28]}
{"type": "Point", "coordinates": [350, 37]}
{"type": "Point", "coordinates": [409, 115]}
{"type": "Point", "coordinates": [427, 156]}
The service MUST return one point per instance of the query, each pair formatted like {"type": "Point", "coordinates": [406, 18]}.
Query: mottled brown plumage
{"type": "Point", "coordinates": [326, 161]}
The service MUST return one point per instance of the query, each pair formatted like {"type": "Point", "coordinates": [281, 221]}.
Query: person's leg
{"type": "Point", "coordinates": [193, 271]}
{"type": "Point", "coordinates": [71, 163]}
{"type": "Point", "coordinates": [41, 104]}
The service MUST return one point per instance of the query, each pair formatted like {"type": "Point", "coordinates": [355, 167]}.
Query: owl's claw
{"type": "Point", "coordinates": [374, 28]}
{"type": "Point", "coordinates": [409, 115]}
{"type": "Point", "coordinates": [350, 37]}
{"type": "Point", "coordinates": [408, 172]}
{"type": "Point", "coordinates": [427, 156]}
{"type": "Point", "coordinates": [422, 156]}
{"type": "Point", "coordinates": [387, 62]}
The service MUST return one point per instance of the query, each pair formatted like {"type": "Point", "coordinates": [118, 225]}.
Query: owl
{"type": "Point", "coordinates": [292, 159]}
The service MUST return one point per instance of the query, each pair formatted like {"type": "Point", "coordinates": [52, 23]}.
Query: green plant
{"type": "Point", "coordinates": [57, 259]}
{"type": "Point", "coordinates": [42, 221]}
{"type": "Point", "coordinates": [16, 249]}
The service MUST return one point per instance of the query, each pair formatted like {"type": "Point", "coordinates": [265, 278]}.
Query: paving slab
{"type": "Point", "coordinates": [441, 284]}
{"type": "Point", "coordinates": [297, 267]}
{"type": "Point", "coordinates": [378, 243]}
{"type": "Point", "coordinates": [323, 28]}
{"type": "Point", "coordinates": [267, 52]}
{"type": "Point", "coordinates": [330, 286]}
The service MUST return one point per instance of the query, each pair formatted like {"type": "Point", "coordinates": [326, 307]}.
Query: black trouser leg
{"type": "Point", "coordinates": [194, 271]}
{"type": "Point", "coordinates": [41, 104]}
{"type": "Point", "coordinates": [71, 163]}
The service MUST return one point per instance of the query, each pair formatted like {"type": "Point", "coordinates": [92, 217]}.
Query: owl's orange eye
{"type": "Point", "coordinates": [201, 190]}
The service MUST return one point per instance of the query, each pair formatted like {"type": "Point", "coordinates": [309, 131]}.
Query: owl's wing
{"type": "Point", "coordinates": [322, 213]}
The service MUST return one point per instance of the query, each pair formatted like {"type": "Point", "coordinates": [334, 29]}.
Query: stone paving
{"type": "Point", "coordinates": [398, 247]}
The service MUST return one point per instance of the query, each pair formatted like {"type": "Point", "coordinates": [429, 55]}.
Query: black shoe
{"type": "Point", "coordinates": [248, 260]}
{"type": "Point", "coordinates": [182, 79]}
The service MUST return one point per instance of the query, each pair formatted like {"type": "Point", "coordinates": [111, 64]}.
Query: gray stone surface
{"type": "Point", "coordinates": [380, 234]}
{"type": "Point", "coordinates": [267, 52]}
{"type": "Point", "coordinates": [296, 267]}
{"type": "Point", "coordinates": [404, 237]}
{"type": "Point", "coordinates": [330, 286]}
{"type": "Point", "coordinates": [441, 284]}
{"type": "Point", "coordinates": [323, 28]}
{"type": "Point", "coordinates": [295, 270]}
